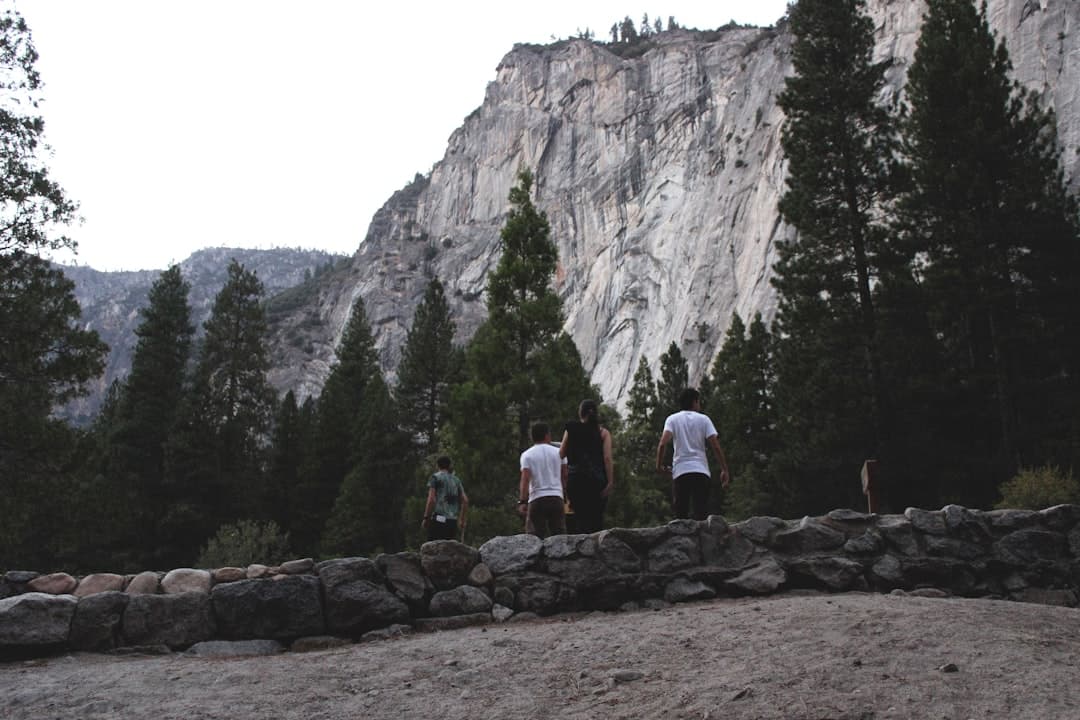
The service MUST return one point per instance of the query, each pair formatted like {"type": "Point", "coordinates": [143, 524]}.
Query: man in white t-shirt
{"type": "Point", "coordinates": [543, 485]}
{"type": "Point", "coordinates": [692, 432]}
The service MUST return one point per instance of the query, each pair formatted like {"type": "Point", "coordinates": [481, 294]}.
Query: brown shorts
{"type": "Point", "coordinates": [546, 517]}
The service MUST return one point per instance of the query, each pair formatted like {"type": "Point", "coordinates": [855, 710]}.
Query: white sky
{"type": "Point", "coordinates": [263, 123]}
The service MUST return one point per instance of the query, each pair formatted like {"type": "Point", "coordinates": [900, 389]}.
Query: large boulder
{"type": "Point", "coordinates": [759, 529]}
{"type": "Point", "coordinates": [405, 576]}
{"type": "Point", "coordinates": [464, 600]}
{"type": "Point", "coordinates": [99, 583]}
{"type": "Point", "coordinates": [54, 584]}
{"type": "Point", "coordinates": [145, 583]}
{"type": "Point", "coordinates": [1029, 547]}
{"type": "Point", "coordinates": [899, 534]}
{"type": "Point", "coordinates": [684, 590]}
{"type": "Point", "coordinates": [617, 555]}
{"type": "Point", "coordinates": [675, 553]}
{"type": "Point", "coordinates": [761, 579]}
{"type": "Point", "coordinates": [284, 608]}
{"type": "Point", "coordinates": [811, 535]}
{"type": "Point", "coordinates": [447, 563]}
{"type": "Point", "coordinates": [36, 619]}
{"type": "Point", "coordinates": [357, 599]}
{"type": "Point", "coordinates": [537, 593]}
{"type": "Point", "coordinates": [96, 625]}
{"type": "Point", "coordinates": [177, 621]}
{"type": "Point", "coordinates": [511, 553]}
{"type": "Point", "coordinates": [185, 580]}
{"type": "Point", "coordinates": [834, 573]}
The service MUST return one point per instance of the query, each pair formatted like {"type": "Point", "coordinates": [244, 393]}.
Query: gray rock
{"type": "Point", "coordinates": [96, 625]}
{"type": "Point", "coordinates": [580, 572]}
{"type": "Point", "coordinates": [386, 633]}
{"type": "Point", "coordinates": [7, 589]}
{"type": "Point", "coordinates": [1011, 519]}
{"type": "Point", "coordinates": [638, 539]}
{"type": "Point", "coordinates": [717, 525]}
{"type": "Point", "coordinates": [511, 553]}
{"type": "Point", "coordinates": [559, 547]}
{"type": "Point", "coordinates": [868, 543]}
{"type": "Point", "coordinates": [405, 576]}
{"type": "Point", "coordinates": [228, 575]}
{"type": "Point", "coordinates": [447, 563]}
{"type": "Point", "coordinates": [297, 567]}
{"type": "Point", "coordinates": [318, 642]}
{"type": "Point", "coordinates": [541, 594]}
{"type": "Point", "coordinates": [888, 571]}
{"type": "Point", "coordinates": [523, 617]}
{"type": "Point", "coordinates": [145, 583]}
{"type": "Point", "coordinates": [953, 575]}
{"type": "Point", "coordinates": [926, 521]}
{"type": "Point", "coordinates": [625, 676]}
{"type": "Point", "coordinates": [835, 573]}
{"type": "Point", "coordinates": [761, 579]}
{"type": "Point", "coordinates": [953, 548]}
{"type": "Point", "coordinates": [759, 529]}
{"type": "Point", "coordinates": [1061, 517]}
{"type": "Point", "coordinates": [504, 596]}
{"type": "Point", "coordinates": [235, 648]}
{"type": "Point", "coordinates": [684, 590]}
{"type": "Point", "coordinates": [184, 580]}
{"type": "Point", "coordinates": [1074, 542]}
{"type": "Point", "coordinates": [501, 613]}
{"type": "Point", "coordinates": [655, 604]}
{"type": "Point", "coordinates": [456, 622]}
{"type": "Point", "coordinates": [99, 583]}
{"type": "Point", "coordinates": [1064, 597]}
{"type": "Point", "coordinates": [684, 526]}
{"type": "Point", "coordinates": [36, 619]}
{"type": "Point", "coordinates": [177, 621]}
{"type": "Point", "coordinates": [480, 576]}
{"type": "Point", "coordinates": [843, 515]}
{"type": "Point", "coordinates": [54, 584]}
{"type": "Point", "coordinates": [935, 593]}
{"type": "Point", "coordinates": [269, 609]}
{"type": "Point", "coordinates": [811, 535]}
{"type": "Point", "coordinates": [617, 555]}
{"type": "Point", "coordinates": [354, 604]}
{"type": "Point", "coordinates": [20, 577]}
{"type": "Point", "coordinates": [726, 552]}
{"type": "Point", "coordinates": [1031, 547]}
{"type": "Point", "coordinates": [899, 534]}
{"type": "Point", "coordinates": [464, 600]}
{"type": "Point", "coordinates": [676, 553]}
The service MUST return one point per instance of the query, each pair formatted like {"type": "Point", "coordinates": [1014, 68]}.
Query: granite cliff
{"type": "Point", "coordinates": [660, 174]}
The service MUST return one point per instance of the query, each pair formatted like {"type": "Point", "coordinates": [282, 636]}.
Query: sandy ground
{"type": "Point", "coordinates": [790, 656]}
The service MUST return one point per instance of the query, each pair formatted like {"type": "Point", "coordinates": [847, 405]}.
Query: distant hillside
{"type": "Point", "coordinates": [111, 301]}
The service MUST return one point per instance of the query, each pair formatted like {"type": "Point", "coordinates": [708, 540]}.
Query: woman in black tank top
{"type": "Point", "coordinates": [587, 449]}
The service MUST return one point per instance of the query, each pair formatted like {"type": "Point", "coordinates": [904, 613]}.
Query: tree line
{"type": "Point", "coordinates": [928, 318]}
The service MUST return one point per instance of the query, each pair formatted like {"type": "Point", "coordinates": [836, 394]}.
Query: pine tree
{"type": "Point", "coordinates": [674, 378]}
{"type": "Point", "coordinates": [336, 448]}
{"type": "Point", "coordinates": [288, 446]}
{"type": "Point", "coordinates": [428, 366]}
{"type": "Point", "coordinates": [643, 497]}
{"type": "Point", "coordinates": [215, 459]}
{"type": "Point", "coordinates": [840, 144]}
{"type": "Point", "coordinates": [989, 215]}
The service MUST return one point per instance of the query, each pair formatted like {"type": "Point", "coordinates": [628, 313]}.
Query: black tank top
{"type": "Point", "coordinates": [585, 450]}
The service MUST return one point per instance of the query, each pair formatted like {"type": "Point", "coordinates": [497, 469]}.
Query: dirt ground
{"type": "Point", "coordinates": [858, 656]}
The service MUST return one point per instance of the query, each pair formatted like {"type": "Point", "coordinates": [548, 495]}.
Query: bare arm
{"type": "Point", "coordinates": [523, 491]}
{"type": "Point", "coordinates": [464, 513]}
{"type": "Point", "coordinates": [564, 475]}
{"type": "Point", "coordinates": [562, 447]}
{"type": "Point", "coordinates": [609, 464]}
{"type": "Point", "coordinates": [664, 440]}
{"type": "Point", "coordinates": [430, 506]}
{"type": "Point", "coordinates": [725, 474]}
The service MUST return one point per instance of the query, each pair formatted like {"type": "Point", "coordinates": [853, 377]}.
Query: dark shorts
{"type": "Point", "coordinates": [690, 488]}
{"type": "Point", "coordinates": [442, 530]}
{"type": "Point", "coordinates": [546, 517]}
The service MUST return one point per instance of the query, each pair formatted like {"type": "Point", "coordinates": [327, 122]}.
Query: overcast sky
{"type": "Point", "coordinates": [263, 123]}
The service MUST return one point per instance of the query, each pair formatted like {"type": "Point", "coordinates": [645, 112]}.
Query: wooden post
{"type": "Point", "coordinates": [870, 485]}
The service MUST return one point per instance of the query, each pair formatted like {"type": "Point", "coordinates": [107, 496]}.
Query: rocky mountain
{"type": "Point", "coordinates": [660, 172]}
{"type": "Point", "coordinates": [111, 301]}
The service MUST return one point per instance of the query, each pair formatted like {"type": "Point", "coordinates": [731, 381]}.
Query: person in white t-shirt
{"type": "Point", "coordinates": [692, 433]}
{"type": "Point", "coordinates": [543, 485]}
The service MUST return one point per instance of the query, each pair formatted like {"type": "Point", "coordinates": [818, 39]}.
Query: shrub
{"type": "Point", "coordinates": [244, 543]}
{"type": "Point", "coordinates": [1038, 488]}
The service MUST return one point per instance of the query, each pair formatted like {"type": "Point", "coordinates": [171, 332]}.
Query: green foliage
{"type": "Point", "coordinates": [244, 543]}
{"type": "Point", "coordinates": [1038, 488]}
{"type": "Point", "coordinates": [429, 364]}
{"type": "Point", "coordinates": [674, 378]}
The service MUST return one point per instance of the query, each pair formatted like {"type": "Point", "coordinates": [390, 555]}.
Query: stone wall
{"type": "Point", "coordinates": [1007, 554]}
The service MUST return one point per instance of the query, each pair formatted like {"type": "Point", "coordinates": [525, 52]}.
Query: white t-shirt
{"type": "Point", "coordinates": [545, 470]}
{"type": "Point", "coordinates": [690, 432]}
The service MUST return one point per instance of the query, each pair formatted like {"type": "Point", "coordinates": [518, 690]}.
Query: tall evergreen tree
{"type": "Point", "coordinates": [674, 378]}
{"type": "Point", "coordinates": [428, 366]}
{"type": "Point", "coordinates": [840, 146]}
{"type": "Point", "coordinates": [216, 458]}
{"type": "Point", "coordinates": [289, 444]}
{"type": "Point", "coordinates": [989, 216]}
{"type": "Point", "coordinates": [336, 446]}
{"type": "Point", "coordinates": [642, 497]}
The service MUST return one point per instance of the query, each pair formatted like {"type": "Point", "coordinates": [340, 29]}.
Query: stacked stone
{"type": "Point", "coordinates": [1007, 554]}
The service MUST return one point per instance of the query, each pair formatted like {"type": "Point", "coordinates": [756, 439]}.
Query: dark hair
{"type": "Point", "coordinates": [540, 431]}
{"type": "Point", "coordinates": [589, 412]}
{"type": "Point", "coordinates": [443, 462]}
{"type": "Point", "coordinates": [687, 398]}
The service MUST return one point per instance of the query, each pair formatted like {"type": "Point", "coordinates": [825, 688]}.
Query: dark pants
{"type": "Point", "coordinates": [687, 488]}
{"type": "Point", "coordinates": [545, 517]}
{"type": "Point", "coordinates": [442, 530]}
{"type": "Point", "coordinates": [583, 490]}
